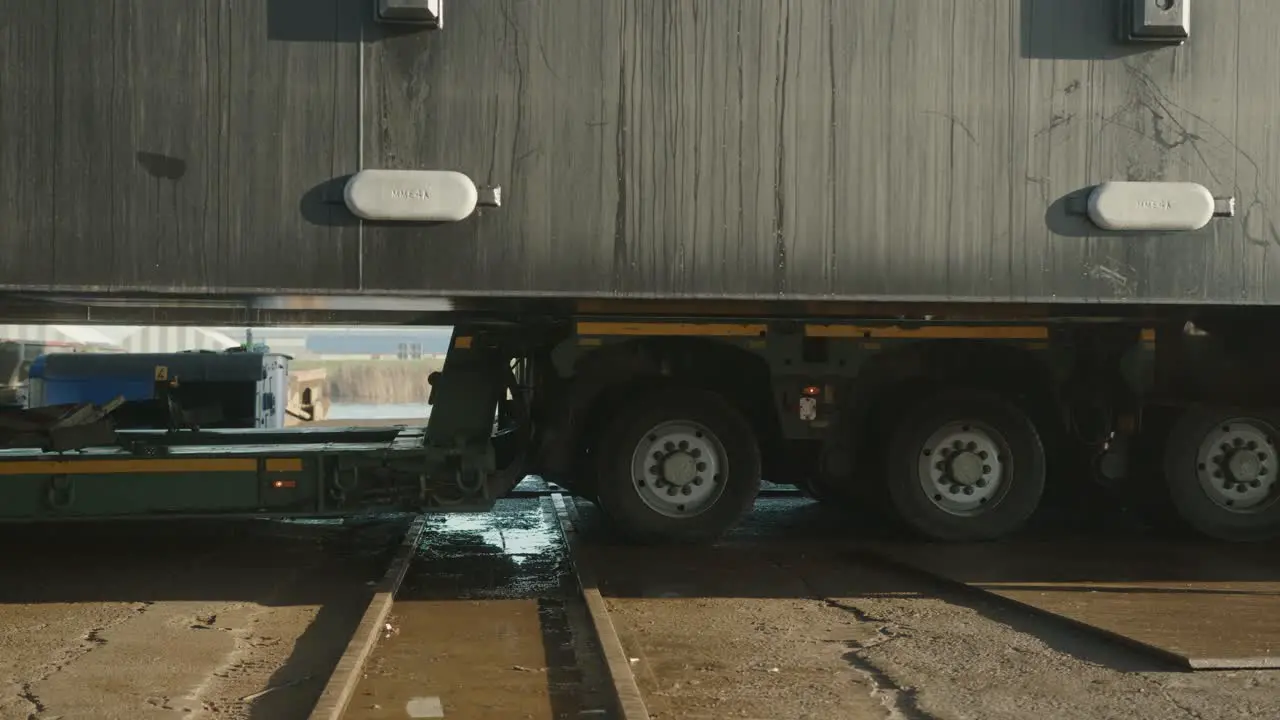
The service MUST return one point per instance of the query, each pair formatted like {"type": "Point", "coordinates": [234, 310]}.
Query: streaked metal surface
{"type": "Point", "coordinates": [1207, 606]}
{"type": "Point", "coordinates": [767, 149]}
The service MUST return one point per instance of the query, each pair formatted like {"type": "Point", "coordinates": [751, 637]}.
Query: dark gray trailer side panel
{"type": "Point", "coordinates": [844, 149]}
{"type": "Point", "coordinates": [172, 144]}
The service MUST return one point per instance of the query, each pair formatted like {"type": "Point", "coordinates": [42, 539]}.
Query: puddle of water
{"type": "Point", "coordinates": [516, 551]}
{"type": "Point", "coordinates": [517, 535]}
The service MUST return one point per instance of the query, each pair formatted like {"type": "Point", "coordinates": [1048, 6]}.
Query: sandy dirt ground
{"type": "Point", "coordinates": [780, 622]}
{"type": "Point", "coordinates": [784, 620]}
{"type": "Point", "coordinates": [222, 620]}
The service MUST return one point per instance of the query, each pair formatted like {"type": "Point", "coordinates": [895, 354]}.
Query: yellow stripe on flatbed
{"type": "Point", "coordinates": [931, 332]}
{"type": "Point", "coordinates": [140, 466]}
{"type": "Point", "coordinates": [284, 464]}
{"type": "Point", "coordinates": [673, 328]}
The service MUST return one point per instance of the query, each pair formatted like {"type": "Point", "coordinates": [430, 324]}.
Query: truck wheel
{"type": "Point", "coordinates": [965, 465]}
{"type": "Point", "coordinates": [1220, 469]}
{"type": "Point", "coordinates": [678, 466]}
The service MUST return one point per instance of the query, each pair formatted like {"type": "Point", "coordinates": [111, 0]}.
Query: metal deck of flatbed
{"type": "Point", "coordinates": [236, 443]}
{"type": "Point", "coordinates": [289, 472]}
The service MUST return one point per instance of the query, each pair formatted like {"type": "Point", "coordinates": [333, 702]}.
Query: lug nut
{"type": "Point", "coordinates": [686, 490]}
{"type": "Point", "coordinates": [701, 467]}
{"type": "Point", "coordinates": [968, 491]}
{"type": "Point", "coordinates": [982, 482]}
{"type": "Point", "coordinates": [671, 490]}
{"type": "Point", "coordinates": [986, 469]}
{"type": "Point", "coordinates": [697, 480]}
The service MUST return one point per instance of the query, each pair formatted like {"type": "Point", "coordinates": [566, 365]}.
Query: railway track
{"type": "Point", "coordinates": [605, 663]}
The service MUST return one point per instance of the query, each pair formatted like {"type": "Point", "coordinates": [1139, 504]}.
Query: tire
{"type": "Point", "coordinates": [703, 508]}
{"type": "Point", "coordinates": [1001, 477]}
{"type": "Point", "coordinates": [1198, 471]}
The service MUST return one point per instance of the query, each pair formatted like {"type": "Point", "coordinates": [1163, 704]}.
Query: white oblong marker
{"type": "Point", "coordinates": [411, 195]}
{"type": "Point", "coordinates": [1151, 206]}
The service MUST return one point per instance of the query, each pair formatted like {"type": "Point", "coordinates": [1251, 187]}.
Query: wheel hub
{"type": "Point", "coordinates": [962, 468]}
{"type": "Point", "coordinates": [1243, 466]}
{"type": "Point", "coordinates": [966, 468]}
{"type": "Point", "coordinates": [677, 469]}
{"type": "Point", "coordinates": [1236, 467]}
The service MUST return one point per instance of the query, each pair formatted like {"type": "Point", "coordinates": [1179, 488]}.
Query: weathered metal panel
{"type": "Point", "coordinates": [171, 144]}
{"type": "Point", "coordinates": [846, 148]}
{"type": "Point", "coordinates": [851, 149]}
{"type": "Point", "coordinates": [27, 106]}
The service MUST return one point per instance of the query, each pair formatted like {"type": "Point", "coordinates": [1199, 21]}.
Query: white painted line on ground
{"type": "Point", "coordinates": [424, 707]}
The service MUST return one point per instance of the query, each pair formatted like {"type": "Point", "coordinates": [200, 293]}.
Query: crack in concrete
{"type": "Point", "coordinates": [29, 696]}
{"type": "Point", "coordinates": [88, 642]}
{"type": "Point", "coordinates": [901, 703]}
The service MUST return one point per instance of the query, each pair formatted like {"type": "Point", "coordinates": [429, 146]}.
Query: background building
{"type": "Point", "coordinates": [328, 343]}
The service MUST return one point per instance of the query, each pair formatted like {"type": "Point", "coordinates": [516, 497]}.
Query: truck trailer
{"type": "Point", "coordinates": [909, 255]}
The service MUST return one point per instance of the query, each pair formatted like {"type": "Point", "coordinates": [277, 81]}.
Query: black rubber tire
{"type": "Point", "coordinates": [616, 493]}
{"type": "Point", "coordinates": [1190, 502]}
{"type": "Point", "coordinates": [1013, 507]}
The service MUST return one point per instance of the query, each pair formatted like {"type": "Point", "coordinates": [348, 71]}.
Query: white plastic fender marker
{"type": "Point", "coordinates": [808, 409]}
{"type": "Point", "coordinates": [411, 195]}
{"type": "Point", "coordinates": [1151, 206]}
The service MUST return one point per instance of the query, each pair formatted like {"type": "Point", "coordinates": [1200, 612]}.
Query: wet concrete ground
{"type": "Point", "coordinates": [212, 619]}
